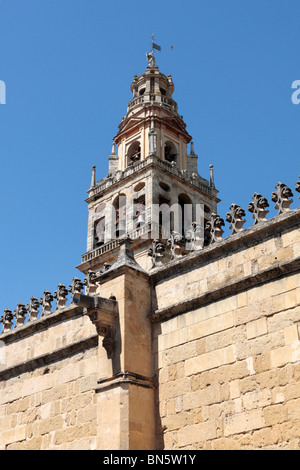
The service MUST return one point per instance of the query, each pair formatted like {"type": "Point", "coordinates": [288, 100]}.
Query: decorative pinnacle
{"type": "Point", "coordinates": [113, 150]}
{"type": "Point", "coordinates": [212, 179]}
{"type": "Point", "coordinates": [93, 182]}
{"type": "Point", "coordinates": [192, 148]}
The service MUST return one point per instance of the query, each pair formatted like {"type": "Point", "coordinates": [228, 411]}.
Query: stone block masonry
{"type": "Point", "coordinates": [47, 389]}
{"type": "Point", "coordinates": [227, 353]}
{"type": "Point", "coordinates": [203, 353]}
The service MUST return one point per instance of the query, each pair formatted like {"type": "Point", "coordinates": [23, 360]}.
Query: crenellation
{"type": "Point", "coordinates": [76, 287]}
{"type": "Point", "coordinates": [33, 308]}
{"type": "Point", "coordinates": [235, 218]}
{"type": "Point", "coordinates": [7, 320]}
{"type": "Point", "coordinates": [46, 303]}
{"type": "Point", "coordinates": [258, 208]}
{"type": "Point", "coordinates": [281, 197]}
{"type": "Point", "coordinates": [213, 229]}
{"type": "Point", "coordinates": [20, 315]}
{"type": "Point", "coordinates": [61, 296]}
{"type": "Point", "coordinates": [90, 281]}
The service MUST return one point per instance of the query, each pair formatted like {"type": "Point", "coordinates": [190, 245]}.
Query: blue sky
{"type": "Point", "coordinates": [68, 66]}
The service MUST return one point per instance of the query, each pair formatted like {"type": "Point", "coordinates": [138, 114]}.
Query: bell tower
{"type": "Point", "coordinates": [149, 168]}
{"type": "Point", "coordinates": [152, 125]}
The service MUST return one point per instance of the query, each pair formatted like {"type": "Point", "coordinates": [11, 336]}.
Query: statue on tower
{"type": "Point", "coordinates": [151, 59]}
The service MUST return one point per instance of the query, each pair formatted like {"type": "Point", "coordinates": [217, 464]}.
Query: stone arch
{"type": "Point", "coordinates": [186, 212]}
{"type": "Point", "coordinates": [120, 214]}
{"type": "Point", "coordinates": [170, 151]}
{"type": "Point", "coordinates": [134, 152]}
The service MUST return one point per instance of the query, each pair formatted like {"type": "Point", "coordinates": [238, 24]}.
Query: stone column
{"type": "Point", "coordinates": [125, 390]}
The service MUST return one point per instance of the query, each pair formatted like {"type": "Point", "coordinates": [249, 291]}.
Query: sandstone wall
{"type": "Point", "coordinates": [47, 386]}
{"type": "Point", "coordinates": [227, 351]}
{"type": "Point", "coordinates": [225, 355]}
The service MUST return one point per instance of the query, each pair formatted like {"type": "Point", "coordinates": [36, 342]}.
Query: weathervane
{"type": "Point", "coordinates": [150, 56]}
{"type": "Point", "coordinates": [155, 46]}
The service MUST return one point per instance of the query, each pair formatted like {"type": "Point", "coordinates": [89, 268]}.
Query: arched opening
{"type": "Point", "coordinates": [165, 217]}
{"type": "Point", "coordinates": [134, 152]}
{"type": "Point", "coordinates": [120, 215]}
{"type": "Point", "coordinates": [99, 232]}
{"type": "Point", "coordinates": [206, 214]}
{"type": "Point", "coordinates": [185, 213]}
{"type": "Point", "coordinates": [170, 152]}
{"type": "Point", "coordinates": [139, 212]}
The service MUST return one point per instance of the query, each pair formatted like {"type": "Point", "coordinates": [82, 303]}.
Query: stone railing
{"type": "Point", "coordinates": [149, 98]}
{"type": "Point", "coordinates": [111, 245]}
{"type": "Point", "coordinates": [112, 180]}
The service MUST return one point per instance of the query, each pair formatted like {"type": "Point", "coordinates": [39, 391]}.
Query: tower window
{"type": "Point", "coordinates": [99, 232]}
{"type": "Point", "coordinates": [120, 215]}
{"type": "Point", "coordinates": [163, 92]}
{"type": "Point", "coordinates": [134, 152]}
{"type": "Point", "coordinates": [170, 152]}
{"type": "Point", "coordinates": [166, 218]}
{"type": "Point", "coordinates": [142, 91]}
{"type": "Point", "coordinates": [185, 216]}
{"type": "Point", "coordinates": [139, 212]}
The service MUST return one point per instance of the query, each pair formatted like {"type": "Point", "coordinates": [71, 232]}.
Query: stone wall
{"type": "Point", "coordinates": [227, 352]}
{"type": "Point", "coordinates": [213, 335]}
{"type": "Point", "coordinates": [47, 387]}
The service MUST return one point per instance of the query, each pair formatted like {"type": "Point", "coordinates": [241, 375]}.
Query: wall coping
{"type": "Point", "coordinates": [42, 323]}
{"type": "Point", "coordinates": [239, 241]}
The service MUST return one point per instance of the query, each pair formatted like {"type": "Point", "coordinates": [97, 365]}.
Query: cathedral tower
{"type": "Point", "coordinates": [150, 168]}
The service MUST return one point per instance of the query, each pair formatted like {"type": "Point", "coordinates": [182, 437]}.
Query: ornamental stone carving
{"type": "Point", "coordinates": [7, 320]}
{"type": "Point", "coordinates": [103, 313]}
{"type": "Point", "coordinates": [281, 197]}
{"type": "Point", "coordinates": [90, 283]}
{"type": "Point", "coordinates": [258, 208]}
{"type": "Point", "coordinates": [33, 308]}
{"type": "Point", "coordinates": [174, 240]}
{"type": "Point", "coordinates": [156, 252]}
{"type": "Point", "coordinates": [234, 217]}
{"type": "Point", "coordinates": [297, 187]}
{"type": "Point", "coordinates": [151, 59]}
{"type": "Point", "coordinates": [75, 288]}
{"type": "Point", "coordinates": [45, 302]}
{"type": "Point", "coordinates": [61, 296]}
{"type": "Point", "coordinates": [20, 314]}
{"type": "Point", "coordinates": [195, 237]}
{"type": "Point", "coordinates": [213, 229]}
